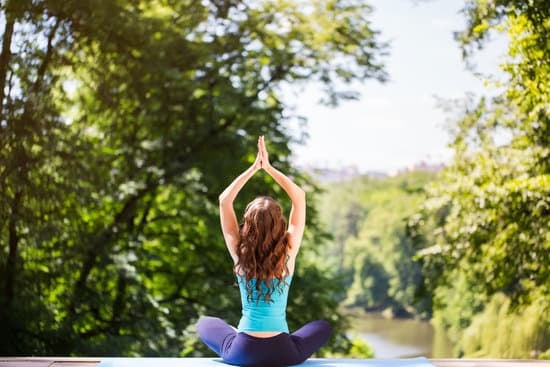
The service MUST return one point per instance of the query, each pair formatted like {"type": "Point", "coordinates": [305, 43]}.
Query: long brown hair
{"type": "Point", "coordinates": [263, 246]}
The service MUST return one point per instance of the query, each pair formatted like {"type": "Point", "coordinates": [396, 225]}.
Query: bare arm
{"type": "Point", "coordinates": [228, 218]}
{"type": "Point", "coordinates": [297, 218]}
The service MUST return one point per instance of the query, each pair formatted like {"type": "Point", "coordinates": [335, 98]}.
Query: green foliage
{"type": "Point", "coordinates": [120, 123]}
{"type": "Point", "coordinates": [484, 232]}
{"type": "Point", "coordinates": [499, 331]}
{"type": "Point", "coordinates": [360, 349]}
{"type": "Point", "coordinates": [484, 17]}
{"type": "Point", "coordinates": [370, 246]}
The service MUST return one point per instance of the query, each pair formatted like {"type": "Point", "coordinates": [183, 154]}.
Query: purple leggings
{"type": "Point", "coordinates": [246, 350]}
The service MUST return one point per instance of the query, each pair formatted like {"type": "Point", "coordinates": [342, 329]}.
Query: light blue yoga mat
{"type": "Point", "coordinates": [217, 362]}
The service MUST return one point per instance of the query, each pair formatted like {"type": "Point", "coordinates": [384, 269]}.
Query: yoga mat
{"type": "Point", "coordinates": [217, 362]}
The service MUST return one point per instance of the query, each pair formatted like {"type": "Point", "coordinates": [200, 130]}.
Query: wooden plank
{"type": "Point", "coordinates": [490, 362]}
{"type": "Point", "coordinates": [48, 362]}
{"type": "Point", "coordinates": [24, 363]}
{"type": "Point", "coordinates": [72, 364]}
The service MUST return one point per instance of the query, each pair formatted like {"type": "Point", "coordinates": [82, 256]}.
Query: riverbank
{"type": "Point", "coordinates": [399, 337]}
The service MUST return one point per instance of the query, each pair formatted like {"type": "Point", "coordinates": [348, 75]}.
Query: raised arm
{"type": "Point", "coordinates": [297, 218]}
{"type": "Point", "coordinates": [228, 218]}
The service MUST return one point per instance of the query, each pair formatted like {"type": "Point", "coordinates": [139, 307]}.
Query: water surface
{"type": "Point", "coordinates": [400, 338]}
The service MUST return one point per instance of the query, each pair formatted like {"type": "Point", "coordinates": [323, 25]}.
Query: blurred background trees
{"type": "Point", "coordinates": [468, 247]}
{"type": "Point", "coordinates": [485, 227]}
{"type": "Point", "coordinates": [371, 247]}
{"type": "Point", "coordinates": [120, 123]}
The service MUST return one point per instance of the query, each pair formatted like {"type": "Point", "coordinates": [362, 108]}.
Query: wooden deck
{"type": "Point", "coordinates": [48, 362]}
{"type": "Point", "coordinates": [489, 362]}
{"type": "Point", "coordinates": [198, 362]}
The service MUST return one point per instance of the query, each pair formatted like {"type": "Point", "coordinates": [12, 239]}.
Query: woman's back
{"type": "Point", "coordinates": [260, 313]}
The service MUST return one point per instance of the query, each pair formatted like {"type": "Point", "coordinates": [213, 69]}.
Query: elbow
{"type": "Point", "coordinates": [224, 199]}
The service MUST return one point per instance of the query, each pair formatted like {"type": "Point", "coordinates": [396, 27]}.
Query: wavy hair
{"type": "Point", "coordinates": [263, 247]}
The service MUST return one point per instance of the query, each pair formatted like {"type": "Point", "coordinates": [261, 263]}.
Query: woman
{"type": "Point", "coordinates": [264, 252]}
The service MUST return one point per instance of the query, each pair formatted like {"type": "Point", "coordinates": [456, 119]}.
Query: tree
{"type": "Point", "coordinates": [367, 218]}
{"type": "Point", "coordinates": [120, 122]}
{"type": "Point", "coordinates": [484, 229]}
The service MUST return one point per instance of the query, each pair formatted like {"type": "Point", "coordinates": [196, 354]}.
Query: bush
{"type": "Point", "coordinates": [502, 332]}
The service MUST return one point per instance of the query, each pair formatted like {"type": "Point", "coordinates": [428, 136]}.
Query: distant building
{"type": "Point", "coordinates": [422, 166]}
{"type": "Point", "coordinates": [339, 174]}
{"type": "Point", "coordinates": [346, 173]}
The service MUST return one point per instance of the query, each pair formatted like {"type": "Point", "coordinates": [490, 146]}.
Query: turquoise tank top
{"type": "Point", "coordinates": [261, 315]}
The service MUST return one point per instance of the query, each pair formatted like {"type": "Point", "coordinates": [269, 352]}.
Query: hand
{"type": "Point", "coordinates": [263, 152]}
{"type": "Point", "coordinates": [257, 165]}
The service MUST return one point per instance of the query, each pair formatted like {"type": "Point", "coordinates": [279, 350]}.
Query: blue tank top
{"type": "Point", "coordinates": [261, 315]}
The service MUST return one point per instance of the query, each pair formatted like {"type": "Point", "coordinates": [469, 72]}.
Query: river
{"type": "Point", "coordinates": [400, 338]}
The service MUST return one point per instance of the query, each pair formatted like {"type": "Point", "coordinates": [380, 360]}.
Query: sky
{"type": "Point", "coordinates": [398, 124]}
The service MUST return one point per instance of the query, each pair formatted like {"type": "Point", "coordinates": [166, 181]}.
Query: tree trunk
{"type": "Point", "coordinates": [47, 57]}
{"type": "Point", "coordinates": [13, 242]}
{"type": "Point", "coordinates": [5, 55]}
